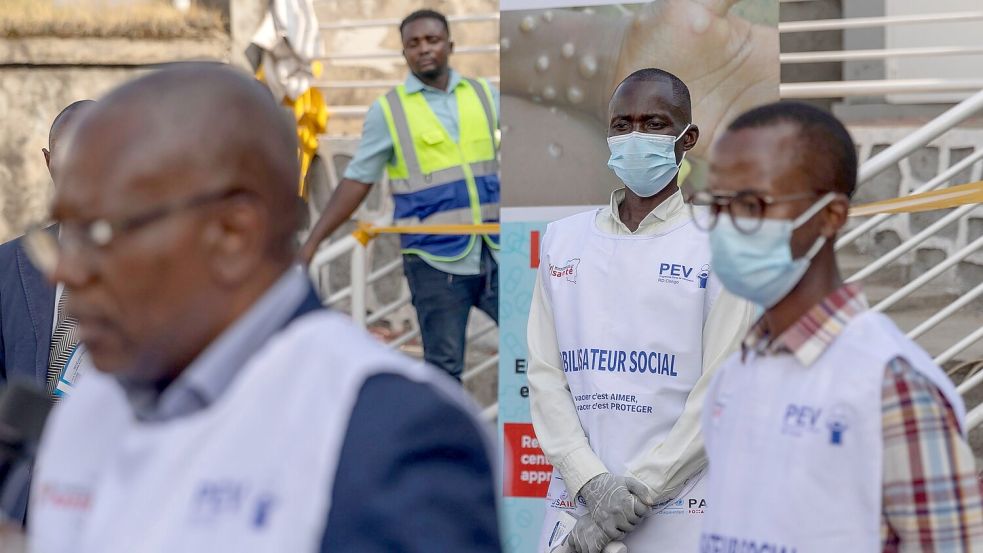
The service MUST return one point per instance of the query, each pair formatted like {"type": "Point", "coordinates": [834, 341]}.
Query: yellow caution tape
{"type": "Point", "coordinates": [954, 196]}
{"type": "Point", "coordinates": [311, 113]}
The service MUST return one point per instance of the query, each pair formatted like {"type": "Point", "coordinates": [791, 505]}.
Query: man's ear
{"type": "Point", "coordinates": [835, 216]}
{"type": "Point", "coordinates": [690, 138]}
{"type": "Point", "coordinates": [450, 46]}
{"type": "Point", "coordinates": [47, 157]}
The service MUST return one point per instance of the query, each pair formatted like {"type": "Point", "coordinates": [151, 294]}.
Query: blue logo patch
{"type": "Point", "coordinates": [704, 276]}
{"type": "Point", "coordinates": [838, 421]}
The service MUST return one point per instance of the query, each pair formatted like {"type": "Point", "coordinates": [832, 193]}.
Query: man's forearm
{"type": "Point", "coordinates": [554, 414]}
{"type": "Point", "coordinates": [343, 203]}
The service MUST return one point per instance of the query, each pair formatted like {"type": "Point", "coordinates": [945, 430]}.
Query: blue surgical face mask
{"type": "Point", "coordinates": [759, 266]}
{"type": "Point", "coordinates": [645, 162]}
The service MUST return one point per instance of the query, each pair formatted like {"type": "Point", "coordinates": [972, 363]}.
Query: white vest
{"type": "Point", "coordinates": [251, 473]}
{"type": "Point", "coordinates": [796, 452]}
{"type": "Point", "coordinates": [629, 313]}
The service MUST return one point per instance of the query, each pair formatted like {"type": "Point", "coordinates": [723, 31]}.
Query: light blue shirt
{"type": "Point", "coordinates": [376, 150]}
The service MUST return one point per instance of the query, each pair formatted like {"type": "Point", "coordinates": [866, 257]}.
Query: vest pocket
{"type": "Point", "coordinates": [433, 137]}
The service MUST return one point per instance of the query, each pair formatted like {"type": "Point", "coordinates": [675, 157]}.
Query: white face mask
{"type": "Point", "coordinates": [645, 162]}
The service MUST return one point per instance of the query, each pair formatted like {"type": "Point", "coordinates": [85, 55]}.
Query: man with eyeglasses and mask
{"type": "Point", "coordinates": [829, 430]}
{"type": "Point", "coordinates": [229, 410]}
{"type": "Point", "coordinates": [627, 324]}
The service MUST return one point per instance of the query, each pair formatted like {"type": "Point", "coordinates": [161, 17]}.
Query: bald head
{"type": "Point", "coordinates": [64, 118]}
{"type": "Point", "coordinates": [59, 127]}
{"type": "Point", "coordinates": [198, 127]}
{"type": "Point", "coordinates": [670, 88]}
{"type": "Point", "coordinates": [195, 169]}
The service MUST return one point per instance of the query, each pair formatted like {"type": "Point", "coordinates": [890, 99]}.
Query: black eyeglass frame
{"type": "Point", "coordinates": [718, 202]}
{"type": "Point", "coordinates": [100, 233]}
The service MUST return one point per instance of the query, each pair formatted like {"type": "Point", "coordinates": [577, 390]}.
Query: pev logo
{"type": "Point", "coordinates": [674, 273]}
{"type": "Point", "coordinates": [800, 419]}
{"type": "Point", "coordinates": [568, 271]}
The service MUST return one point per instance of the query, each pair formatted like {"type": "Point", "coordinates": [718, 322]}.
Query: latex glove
{"type": "Point", "coordinates": [728, 63]}
{"type": "Point", "coordinates": [616, 503]}
{"type": "Point", "coordinates": [587, 537]}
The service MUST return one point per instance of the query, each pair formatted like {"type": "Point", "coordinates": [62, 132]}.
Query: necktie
{"type": "Point", "coordinates": [63, 342]}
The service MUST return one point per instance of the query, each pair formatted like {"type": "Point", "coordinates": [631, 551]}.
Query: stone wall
{"type": "Point", "coordinates": [38, 77]}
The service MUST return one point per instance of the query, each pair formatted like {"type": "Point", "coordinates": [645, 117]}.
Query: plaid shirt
{"type": "Point", "coordinates": [931, 493]}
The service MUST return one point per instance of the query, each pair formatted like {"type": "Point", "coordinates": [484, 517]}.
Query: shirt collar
{"type": "Point", "coordinates": [809, 337]}
{"type": "Point", "coordinates": [414, 84]}
{"type": "Point", "coordinates": [662, 212]}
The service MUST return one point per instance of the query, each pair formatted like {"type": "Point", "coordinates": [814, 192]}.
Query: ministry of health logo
{"type": "Point", "coordinates": [568, 271]}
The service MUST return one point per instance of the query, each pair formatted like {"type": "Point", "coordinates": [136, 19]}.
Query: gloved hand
{"type": "Point", "coordinates": [616, 503]}
{"type": "Point", "coordinates": [587, 537]}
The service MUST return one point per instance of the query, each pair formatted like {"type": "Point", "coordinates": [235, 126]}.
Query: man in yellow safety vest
{"type": "Point", "coordinates": [435, 137]}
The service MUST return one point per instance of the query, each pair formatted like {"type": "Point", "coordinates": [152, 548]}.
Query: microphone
{"type": "Point", "coordinates": [23, 411]}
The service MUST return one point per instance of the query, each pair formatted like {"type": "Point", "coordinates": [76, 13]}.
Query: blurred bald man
{"type": "Point", "coordinates": [31, 309]}
{"type": "Point", "coordinates": [230, 411]}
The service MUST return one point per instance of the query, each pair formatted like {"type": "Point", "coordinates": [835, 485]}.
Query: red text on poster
{"type": "Point", "coordinates": [527, 471]}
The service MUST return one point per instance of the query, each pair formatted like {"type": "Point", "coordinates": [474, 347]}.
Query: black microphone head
{"type": "Point", "coordinates": [23, 410]}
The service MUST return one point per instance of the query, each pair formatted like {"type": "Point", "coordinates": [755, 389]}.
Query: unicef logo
{"type": "Point", "coordinates": [838, 422]}
{"type": "Point", "coordinates": [704, 276]}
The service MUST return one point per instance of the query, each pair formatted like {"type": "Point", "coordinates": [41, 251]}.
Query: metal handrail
{"type": "Point", "coordinates": [490, 413]}
{"type": "Point", "coordinates": [927, 133]}
{"type": "Point", "coordinates": [348, 111]}
{"type": "Point", "coordinates": [910, 243]}
{"type": "Point", "coordinates": [399, 342]}
{"type": "Point", "coordinates": [877, 54]}
{"type": "Point", "coordinates": [840, 89]}
{"type": "Point", "coordinates": [931, 322]}
{"type": "Point", "coordinates": [864, 22]}
{"type": "Point", "coordinates": [386, 310]}
{"type": "Point", "coordinates": [480, 368]}
{"type": "Point", "coordinates": [939, 180]}
{"type": "Point", "coordinates": [924, 278]}
{"type": "Point", "coordinates": [969, 340]}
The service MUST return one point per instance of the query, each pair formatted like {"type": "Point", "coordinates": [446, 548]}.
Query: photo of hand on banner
{"type": "Point", "coordinates": [573, 59]}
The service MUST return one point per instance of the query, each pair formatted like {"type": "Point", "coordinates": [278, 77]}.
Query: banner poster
{"type": "Point", "coordinates": [560, 63]}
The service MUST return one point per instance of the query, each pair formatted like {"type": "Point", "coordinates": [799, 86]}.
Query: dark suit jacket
{"type": "Point", "coordinates": [27, 304]}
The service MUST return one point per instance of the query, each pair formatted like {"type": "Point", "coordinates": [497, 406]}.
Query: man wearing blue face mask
{"type": "Point", "coordinates": [626, 326]}
{"type": "Point", "coordinates": [830, 430]}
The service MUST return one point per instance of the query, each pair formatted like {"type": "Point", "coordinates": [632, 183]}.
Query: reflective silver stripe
{"type": "Point", "coordinates": [399, 186]}
{"type": "Point", "coordinates": [489, 167]}
{"type": "Point", "coordinates": [444, 176]}
{"type": "Point", "coordinates": [486, 104]}
{"type": "Point", "coordinates": [489, 212]}
{"type": "Point", "coordinates": [405, 139]}
{"type": "Point", "coordinates": [437, 178]}
{"type": "Point", "coordinates": [460, 216]}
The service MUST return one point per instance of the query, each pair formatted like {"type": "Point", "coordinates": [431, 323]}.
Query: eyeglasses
{"type": "Point", "coordinates": [746, 208]}
{"type": "Point", "coordinates": [45, 249]}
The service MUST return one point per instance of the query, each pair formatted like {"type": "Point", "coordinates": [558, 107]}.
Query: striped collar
{"type": "Point", "coordinates": [809, 337]}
